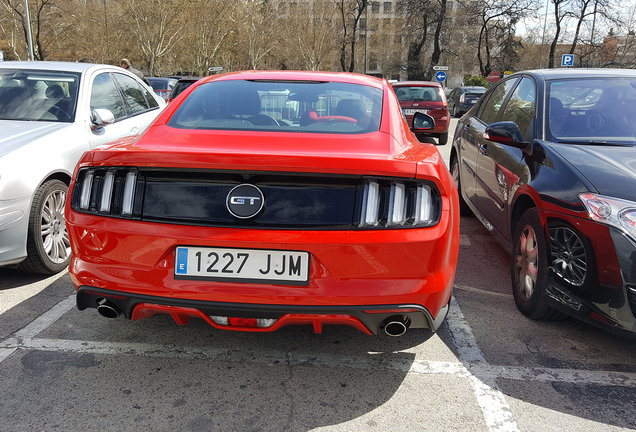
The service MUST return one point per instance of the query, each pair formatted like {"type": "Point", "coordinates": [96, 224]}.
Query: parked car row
{"type": "Point", "coordinates": [170, 87]}
{"type": "Point", "coordinates": [263, 199]}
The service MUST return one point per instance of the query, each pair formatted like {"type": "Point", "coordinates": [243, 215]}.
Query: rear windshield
{"type": "Point", "coordinates": [290, 106]}
{"type": "Point", "coordinates": [419, 94]}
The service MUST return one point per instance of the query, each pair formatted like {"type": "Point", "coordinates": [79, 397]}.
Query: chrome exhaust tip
{"type": "Point", "coordinates": [108, 309]}
{"type": "Point", "coordinates": [395, 326]}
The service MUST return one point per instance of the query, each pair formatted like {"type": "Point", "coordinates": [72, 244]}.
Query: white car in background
{"type": "Point", "coordinates": [50, 114]}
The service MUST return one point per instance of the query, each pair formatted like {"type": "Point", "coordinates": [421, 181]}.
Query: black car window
{"type": "Point", "coordinates": [137, 96]}
{"type": "Point", "coordinates": [592, 110]}
{"type": "Point", "coordinates": [105, 95]}
{"type": "Point", "coordinates": [489, 112]}
{"type": "Point", "coordinates": [521, 105]}
{"type": "Point", "coordinates": [282, 106]}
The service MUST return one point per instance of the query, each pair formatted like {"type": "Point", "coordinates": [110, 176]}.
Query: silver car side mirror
{"type": "Point", "coordinates": [101, 117]}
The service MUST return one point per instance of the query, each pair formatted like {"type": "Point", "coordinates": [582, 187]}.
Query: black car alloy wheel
{"type": "Point", "coordinates": [568, 255]}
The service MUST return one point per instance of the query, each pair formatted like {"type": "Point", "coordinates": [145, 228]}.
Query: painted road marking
{"type": "Point", "coordinates": [471, 365]}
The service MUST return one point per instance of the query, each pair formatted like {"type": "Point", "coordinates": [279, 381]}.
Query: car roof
{"type": "Point", "coordinates": [564, 73]}
{"type": "Point", "coordinates": [473, 88]}
{"type": "Point", "coordinates": [49, 65]}
{"type": "Point", "coordinates": [344, 77]}
{"type": "Point", "coordinates": [416, 84]}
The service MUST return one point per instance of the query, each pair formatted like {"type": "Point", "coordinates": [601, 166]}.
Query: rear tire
{"type": "Point", "coordinates": [529, 268]}
{"type": "Point", "coordinates": [464, 210]}
{"type": "Point", "coordinates": [48, 245]}
{"type": "Point", "coordinates": [442, 139]}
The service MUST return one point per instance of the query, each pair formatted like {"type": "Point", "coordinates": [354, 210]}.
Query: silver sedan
{"type": "Point", "coordinates": [50, 114]}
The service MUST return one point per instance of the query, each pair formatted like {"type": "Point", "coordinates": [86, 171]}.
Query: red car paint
{"type": "Point", "coordinates": [358, 277]}
{"type": "Point", "coordinates": [428, 97]}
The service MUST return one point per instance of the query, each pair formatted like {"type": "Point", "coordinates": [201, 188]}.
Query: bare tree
{"type": "Point", "coordinates": [209, 26]}
{"type": "Point", "coordinates": [152, 24]}
{"type": "Point", "coordinates": [495, 16]}
{"type": "Point", "coordinates": [350, 12]}
{"type": "Point", "coordinates": [423, 19]}
{"type": "Point", "coordinates": [49, 21]}
{"type": "Point", "coordinates": [312, 31]}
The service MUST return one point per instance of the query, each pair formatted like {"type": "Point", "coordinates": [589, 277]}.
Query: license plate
{"type": "Point", "coordinates": [413, 111]}
{"type": "Point", "coordinates": [242, 265]}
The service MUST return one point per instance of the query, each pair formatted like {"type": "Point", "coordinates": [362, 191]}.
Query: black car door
{"type": "Point", "coordinates": [472, 140]}
{"type": "Point", "coordinates": [497, 163]}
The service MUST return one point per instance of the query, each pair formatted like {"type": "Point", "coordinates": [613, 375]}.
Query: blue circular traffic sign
{"type": "Point", "coordinates": [440, 76]}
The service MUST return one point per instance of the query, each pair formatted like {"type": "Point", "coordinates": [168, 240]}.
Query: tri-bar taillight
{"type": "Point", "coordinates": [109, 191]}
{"type": "Point", "coordinates": [392, 203]}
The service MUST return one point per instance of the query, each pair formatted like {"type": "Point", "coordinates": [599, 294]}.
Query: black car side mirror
{"type": "Point", "coordinates": [505, 132]}
{"type": "Point", "coordinates": [422, 122]}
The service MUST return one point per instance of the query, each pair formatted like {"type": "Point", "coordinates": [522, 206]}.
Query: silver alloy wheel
{"type": "Point", "coordinates": [54, 236]}
{"type": "Point", "coordinates": [526, 263]}
{"type": "Point", "coordinates": [568, 255]}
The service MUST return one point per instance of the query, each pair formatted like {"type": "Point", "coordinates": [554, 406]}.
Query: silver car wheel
{"type": "Point", "coordinates": [54, 236]}
{"type": "Point", "coordinates": [526, 263]}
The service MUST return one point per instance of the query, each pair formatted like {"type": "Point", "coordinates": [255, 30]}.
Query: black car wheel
{"type": "Point", "coordinates": [530, 268]}
{"type": "Point", "coordinates": [48, 245]}
{"type": "Point", "coordinates": [454, 112]}
{"type": "Point", "coordinates": [464, 210]}
{"type": "Point", "coordinates": [570, 258]}
{"type": "Point", "coordinates": [442, 139]}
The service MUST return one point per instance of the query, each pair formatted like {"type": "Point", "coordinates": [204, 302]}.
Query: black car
{"type": "Point", "coordinates": [180, 86]}
{"type": "Point", "coordinates": [162, 85]}
{"type": "Point", "coordinates": [547, 161]}
{"type": "Point", "coordinates": [461, 99]}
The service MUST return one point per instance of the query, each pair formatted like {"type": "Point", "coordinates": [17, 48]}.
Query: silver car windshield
{"type": "Point", "coordinates": [38, 95]}
{"type": "Point", "coordinates": [289, 106]}
{"type": "Point", "coordinates": [592, 110]}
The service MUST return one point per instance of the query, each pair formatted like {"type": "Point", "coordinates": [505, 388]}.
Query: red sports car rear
{"type": "Point", "coordinates": [262, 199]}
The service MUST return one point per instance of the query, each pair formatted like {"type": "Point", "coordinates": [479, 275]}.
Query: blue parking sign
{"type": "Point", "coordinates": [440, 76]}
{"type": "Point", "coordinates": [567, 60]}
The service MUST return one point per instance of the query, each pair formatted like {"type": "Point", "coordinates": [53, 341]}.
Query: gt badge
{"type": "Point", "coordinates": [245, 201]}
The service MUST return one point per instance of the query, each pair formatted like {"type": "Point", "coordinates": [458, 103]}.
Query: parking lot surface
{"type": "Point", "coordinates": [488, 368]}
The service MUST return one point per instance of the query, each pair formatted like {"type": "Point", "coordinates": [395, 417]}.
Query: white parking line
{"type": "Point", "coordinates": [492, 402]}
{"type": "Point", "coordinates": [471, 365]}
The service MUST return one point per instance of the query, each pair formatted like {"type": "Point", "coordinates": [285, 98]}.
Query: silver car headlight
{"type": "Point", "coordinates": [615, 212]}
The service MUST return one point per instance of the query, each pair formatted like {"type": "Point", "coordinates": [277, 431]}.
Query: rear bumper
{"type": "Point", "coordinates": [369, 319]}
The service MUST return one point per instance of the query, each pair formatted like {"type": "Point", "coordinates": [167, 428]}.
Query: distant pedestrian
{"type": "Point", "coordinates": [125, 63]}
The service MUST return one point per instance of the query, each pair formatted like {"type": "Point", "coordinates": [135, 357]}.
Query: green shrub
{"type": "Point", "coordinates": [476, 81]}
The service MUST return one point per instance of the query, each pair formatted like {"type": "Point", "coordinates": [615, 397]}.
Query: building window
{"type": "Point", "coordinates": [449, 5]}
{"type": "Point", "coordinates": [375, 7]}
{"type": "Point", "coordinates": [363, 24]}
{"type": "Point", "coordinates": [387, 7]}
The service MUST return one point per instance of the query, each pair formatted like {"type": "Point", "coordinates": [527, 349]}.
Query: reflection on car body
{"type": "Point", "coordinates": [545, 162]}
{"type": "Point", "coordinates": [263, 199]}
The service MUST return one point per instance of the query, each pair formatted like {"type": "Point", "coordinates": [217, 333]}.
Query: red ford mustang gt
{"type": "Point", "coordinates": [262, 199]}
